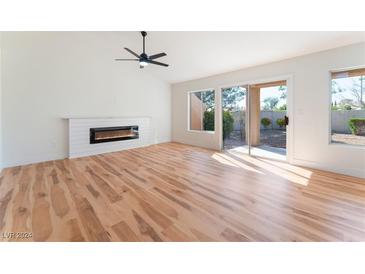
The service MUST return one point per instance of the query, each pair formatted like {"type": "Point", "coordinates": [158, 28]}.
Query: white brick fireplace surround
{"type": "Point", "coordinates": [79, 135]}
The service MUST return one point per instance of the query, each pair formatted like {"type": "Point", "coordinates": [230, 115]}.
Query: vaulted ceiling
{"type": "Point", "coordinates": [194, 55]}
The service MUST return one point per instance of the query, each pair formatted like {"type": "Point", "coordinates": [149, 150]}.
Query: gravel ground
{"type": "Point", "coordinates": [348, 139]}
{"type": "Point", "coordinates": [270, 137]}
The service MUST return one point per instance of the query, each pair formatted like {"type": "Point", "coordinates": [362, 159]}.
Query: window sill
{"type": "Point", "coordinates": [347, 145]}
{"type": "Point", "coordinates": [201, 131]}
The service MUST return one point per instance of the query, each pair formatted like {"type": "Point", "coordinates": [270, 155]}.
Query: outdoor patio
{"type": "Point", "coordinates": [268, 137]}
{"type": "Point", "coordinates": [350, 139]}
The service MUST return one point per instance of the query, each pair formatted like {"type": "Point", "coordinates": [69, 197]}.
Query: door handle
{"type": "Point", "coordinates": [286, 118]}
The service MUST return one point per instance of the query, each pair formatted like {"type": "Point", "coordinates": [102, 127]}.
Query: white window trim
{"type": "Point", "coordinates": [330, 142]}
{"type": "Point", "coordinates": [189, 113]}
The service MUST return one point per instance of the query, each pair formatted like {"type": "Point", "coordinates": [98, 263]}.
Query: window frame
{"type": "Point", "coordinates": [189, 112]}
{"type": "Point", "coordinates": [330, 142]}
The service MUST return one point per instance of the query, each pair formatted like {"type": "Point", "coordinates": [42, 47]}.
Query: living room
{"type": "Point", "coordinates": [145, 136]}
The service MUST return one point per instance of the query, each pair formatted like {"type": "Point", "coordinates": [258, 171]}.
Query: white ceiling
{"type": "Point", "coordinates": [193, 55]}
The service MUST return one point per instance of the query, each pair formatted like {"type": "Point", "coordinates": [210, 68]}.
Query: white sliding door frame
{"type": "Point", "coordinates": [290, 109]}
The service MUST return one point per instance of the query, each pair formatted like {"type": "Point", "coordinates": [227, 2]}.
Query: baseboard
{"type": "Point", "coordinates": [46, 158]}
{"type": "Point", "coordinates": [206, 145]}
{"type": "Point", "coordinates": [346, 171]}
{"type": "Point", "coordinates": [32, 160]}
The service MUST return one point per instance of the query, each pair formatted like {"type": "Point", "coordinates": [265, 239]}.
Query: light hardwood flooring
{"type": "Point", "coordinates": [175, 192]}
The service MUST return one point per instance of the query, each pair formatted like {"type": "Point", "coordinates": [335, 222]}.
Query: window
{"type": "Point", "coordinates": [202, 105]}
{"type": "Point", "coordinates": [348, 107]}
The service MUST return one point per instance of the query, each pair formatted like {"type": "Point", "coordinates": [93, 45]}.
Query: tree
{"type": "Point", "coordinates": [345, 104]}
{"type": "Point", "coordinates": [357, 91]}
{"type": "Point", "coordinates": [227, 124]}
{"type": "Point", "coordinates": [270, 103]}
{"type": "Point", "coordinates": [208, 120]}
{"type": "Point", "coordinates": [230, 97]}
{"type": "Point", "coordinates": [207, 98]}
{"type": "Point", "coordinates": [336, 87]}
{"type": "Point", "coordinates": [228, 121]}
{"type": "Point", "coordinates": [334, 106]}
{"type": "Point", "coordinates": [283, 92]}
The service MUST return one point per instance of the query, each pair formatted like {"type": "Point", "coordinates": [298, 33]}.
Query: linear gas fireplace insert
{"type": "Point", "coordinates": [112, 134]}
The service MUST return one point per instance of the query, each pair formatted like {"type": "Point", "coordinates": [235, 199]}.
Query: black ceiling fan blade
{"type": "Point", "coordinates": [155, 56]}
{"type": "Point", "coordinates": [157, 63]}
{"type": "Point", "coordinates": [126, 59]}
{"type": "Point", "coordinates": [132, 52]}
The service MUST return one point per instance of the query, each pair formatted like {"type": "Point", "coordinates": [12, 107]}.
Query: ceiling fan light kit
{"type": "Point", "coordinates": [143, 58]}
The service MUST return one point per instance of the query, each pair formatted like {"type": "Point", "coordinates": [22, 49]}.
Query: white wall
{"type": "Point", "coordinates": [50, 75]}
{"type": "Point", "coordinates": [1, 127]}
{"type": "Point", "coordinates": [310, 119]}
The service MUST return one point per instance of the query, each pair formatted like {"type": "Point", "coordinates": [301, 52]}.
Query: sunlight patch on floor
{"type": "Point", "coordinates": [275, 153]}
{"type": "Point", "coordinates": [295, 169]}
{"type": "Point", "coordinates": [225, 159]}
{"type": "Point", "coordinates": [277, 170]}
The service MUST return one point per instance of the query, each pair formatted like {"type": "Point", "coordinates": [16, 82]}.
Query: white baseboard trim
{"type": "Point", "coordinates": [33, 160]}
{"type": "Point", "coordinates": [207, 145]}
{"type": "Point", "coordinates": [346, 171]}
{"type": "Point", "coordinates": [53, 157]}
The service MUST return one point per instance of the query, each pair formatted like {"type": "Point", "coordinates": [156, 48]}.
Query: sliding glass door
{"type": "Point", "coordinates": [234, 113]}
{"type": "Point", "coordinates": [268, 113]}
{"type": "Point", "coordinates": [255, 119]}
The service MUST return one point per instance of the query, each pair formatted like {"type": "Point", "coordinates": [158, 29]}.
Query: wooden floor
{"type": "Point", "coordinates": [174, 192]}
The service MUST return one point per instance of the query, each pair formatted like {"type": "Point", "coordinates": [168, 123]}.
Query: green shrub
{"type": "Point", "coordinates": [347, 107]}
{"type": "Point", "coordinates": [280, 122]}
{"type": "Point", "coordinates": [265, 122]}
{"type": "Point", "coordinates": [227, 124]}
{"type": "Point", "coordinates": [208, 120]}
{"type": "Point", "coordinates": [357, 126]}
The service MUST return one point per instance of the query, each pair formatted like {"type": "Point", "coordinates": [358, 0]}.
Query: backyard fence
{"type": "Point", "coordinates": [339, 119]}
{"type": "Point", "coordinates": [239, 118]}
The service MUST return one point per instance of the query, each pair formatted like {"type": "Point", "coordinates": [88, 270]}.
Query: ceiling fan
{"type": "Point", "coordinates": [143, 58]}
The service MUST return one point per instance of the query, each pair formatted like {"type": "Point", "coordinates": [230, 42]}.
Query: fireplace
{"type": "Point", "coordinates": [112, 134]}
